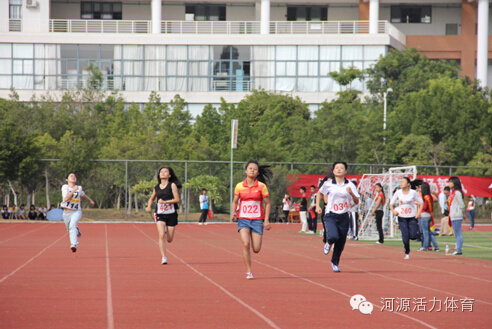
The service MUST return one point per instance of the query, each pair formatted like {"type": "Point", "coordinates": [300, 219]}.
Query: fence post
{"type": "Point", "coordinates": [126, 188]}
{"type": "Point", "coordinates": [186, 191]}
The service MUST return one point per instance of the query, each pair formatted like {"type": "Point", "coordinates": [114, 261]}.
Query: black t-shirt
{"type": "Point", "coordinates": [303, 206]}
{"type": "Point", "coordinates": [32, 215]}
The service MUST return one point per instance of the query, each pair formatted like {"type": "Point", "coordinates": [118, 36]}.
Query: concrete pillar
{"type": "Point", "coordinates": [4, 16]}
{"type": "Point", "coordinates": [156, 16]}
{"type": "Point", "coordinates": [265, 17]}
{"type": "Point", "coordinates": [482, 42]}
{"type": "Point", "coordinates": [373, 16]}
{"type": "Point", "coordinates": [258, 10]}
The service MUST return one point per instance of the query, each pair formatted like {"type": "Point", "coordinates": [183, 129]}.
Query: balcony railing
{"type": "Point", "coordinates": [15, 25]}
{"type": "Point", "coordinates": [99, 26]}
{"type": "Point", "coordinates": [215, 27]}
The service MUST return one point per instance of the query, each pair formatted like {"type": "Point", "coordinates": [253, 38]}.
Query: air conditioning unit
{"type": "Point", "coordinates": [31, 3]}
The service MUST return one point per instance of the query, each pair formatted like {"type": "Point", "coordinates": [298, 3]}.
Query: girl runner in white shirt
{"type": "Point", "coordinates": [72, 208]}
{"type": "Point", "coordinates": [341, 192]}
{"type": "Point", "coordinates": [408, 210]}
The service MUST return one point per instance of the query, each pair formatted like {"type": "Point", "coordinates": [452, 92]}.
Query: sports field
{"type": "Point", "coordinates": [115, 280]}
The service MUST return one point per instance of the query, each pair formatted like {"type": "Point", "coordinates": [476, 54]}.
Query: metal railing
{"type": "Point", "coordinates": [216, 27]}
{"type": "Point", "coordinates": [15, 25]}
{"type": "Point", "coordinates": [99, 26]}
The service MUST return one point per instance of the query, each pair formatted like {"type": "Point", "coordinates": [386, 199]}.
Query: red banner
{"type": "Point", "coordinates": [478, 186]}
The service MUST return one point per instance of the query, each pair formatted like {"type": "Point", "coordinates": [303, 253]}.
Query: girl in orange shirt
{"type": "Point", "coordinates": [252, 217]}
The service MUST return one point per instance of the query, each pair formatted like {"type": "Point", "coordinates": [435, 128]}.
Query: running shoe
{"type": "Point", "coordinates": [335, 268]}
{"type": "Point", "coordinates": [200, 223]}
{"type": "Point", "coordinates": [309, 232]}
{"type": "Point", "coordinates": [73, 248]}
{"type": "Point", "coordinates": [327, 248]}
{"type": "Point", "coordinates": [436, 249]}
{"type": "Point", "coordinates": [377, 242]}
{"type": "Point", "coordinates": [249, 276]}
{"type": "Point", "coordinates": [421, 249]}
{"type": "Point", "coordinates": [78, 233]}
{"type": "Point", "coordinates": [407, 256]}
{"type": "Point", "coordinates": [164, 261]}
{"type": "Point", "coordinates": [457, 253]}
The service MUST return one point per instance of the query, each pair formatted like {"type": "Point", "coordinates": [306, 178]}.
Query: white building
{"type": "Point", "coordinates": [205, 50]}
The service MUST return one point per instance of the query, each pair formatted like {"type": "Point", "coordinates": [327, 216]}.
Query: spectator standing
{"type": "Point", "coordinates": [471, 211]}
{"type": "Point", "coordinates": [286, 207]}
{"type": "Point", "coordinates": [204, 206]}
{"type": "Point", "coordinates": [378, 211]}
{"type": "Point", "coordinates": [407, 212]}
{"type": "Point", "coordinates": [303, 210]}
{"type": "Point", "coordinates": [456, 212]}
{"type": "Point", "coordinates": [427, 219]}
{"type": "Point", "coordinates": [32, 215]}
{"type": "Point", "coordinates": [313, 215]}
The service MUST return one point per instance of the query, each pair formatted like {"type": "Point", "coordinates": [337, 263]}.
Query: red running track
{"type": "Point", "coordinates": [115, 280]}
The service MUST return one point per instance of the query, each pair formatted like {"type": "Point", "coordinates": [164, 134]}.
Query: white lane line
{"type": "Point", "coordinates": [26, 233]}
{"type": "Point", "coordinates": [109, 296]}
{"type": "Point", "coordinates": [5, 227]}
{"type": "Point", "coordinates": [316, 283]}
{"type": "Point", "coordinates": [257, 313]}
{"type": "Point", "coordinates": [30, 260]}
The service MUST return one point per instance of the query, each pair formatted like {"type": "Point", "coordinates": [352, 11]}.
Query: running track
{"type": "Point", "coordinates": [115, 280]}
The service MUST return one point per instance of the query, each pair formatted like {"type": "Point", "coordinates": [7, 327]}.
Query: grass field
{"type": "Point", "coordinates": [476, 244]}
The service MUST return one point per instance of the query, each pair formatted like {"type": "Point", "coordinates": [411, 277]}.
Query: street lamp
{"type": "Point", "coordinates": [385, 94]}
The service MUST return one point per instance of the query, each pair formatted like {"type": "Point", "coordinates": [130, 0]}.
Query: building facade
{"type": "Point", "coordinates": [208, 50]}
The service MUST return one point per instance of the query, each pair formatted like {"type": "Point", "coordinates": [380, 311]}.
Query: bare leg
{"type": "Point", "coordinates": [246, 240]}
{"type": "Point", "coordinates": [170, 233]}
{"type": "Point", "coordinates": [161, 230]}
{"type": "Point", "coordinates": [256, 240]}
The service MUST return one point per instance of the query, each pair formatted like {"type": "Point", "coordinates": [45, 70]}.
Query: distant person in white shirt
{"type": "Point", "coordinates": [204, 206]}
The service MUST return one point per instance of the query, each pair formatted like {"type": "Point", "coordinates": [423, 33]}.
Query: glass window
{"type": "Point", "coordinates": [286, 53]}
{"type": "Point", "coordinates": [5, 67]}
{"type": "Point", "coordinates": [411, 14]}
{"type": "Point", "coordinates": [206, 12]}
{"type": "Point", "coordinates": [15, 9]}
{"type": "Point", "coordinates": [68, 51]}
{"type": "Point", "coordinates": [89, 51]}
{"type": "Point", "coordinates": [307, 13]}
{"type": "Point", "coordinates": [286, 68]}
{"type": "Point", "coordinates": [307, 52]}
{"type": "Point", "coordinates": [101, 10]}
{"type": "Point", "coordinates": [5, 50]}
{"type": "Point", "coordinates": [23, 50]}
{"type": "Point", "coordinates": [352, 53]}
{"type": "Point", "coordinates": [372, 53]}
{"type": "Point", "coordinates": [329, 53]}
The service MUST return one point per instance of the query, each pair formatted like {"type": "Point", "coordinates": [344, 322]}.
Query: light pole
{"type": "Point", "coordinates": [385, 94]}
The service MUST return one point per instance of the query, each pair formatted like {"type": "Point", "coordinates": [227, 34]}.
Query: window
{"type": "Point", "coordinates": [451, 29]}
{"type": "Point", "coordinates": [411, 14]}
{"type": "Point", "coordinates": [101, 10]}
{"type": "Point", "coordinates": [304, 13]}
{"type": "Point", "coordinates": [206, 13]}
{"type": "Point", "coordinates": [15, 9]}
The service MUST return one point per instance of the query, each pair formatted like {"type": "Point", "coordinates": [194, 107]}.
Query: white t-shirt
{"type": "Point", "coordinates": [286, 206]}
{"type": "Point", "coordinates": [74, 202]}
{"type": "Point", "coordinates": [339, 199]}
{"type": "Point", "coordinates": [406, 203]}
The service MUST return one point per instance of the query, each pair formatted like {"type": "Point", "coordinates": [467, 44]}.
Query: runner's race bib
{"type": "Point", "coordinates": [250, 209]}
{"type": "Point", "coordinates": [73, 203]}
{"type": "Point", "coordinates": [340, 206]}
{"type": "Point", "coordinates": [165, 208]}
{"type": "Point", "coordinates": [405, 211]}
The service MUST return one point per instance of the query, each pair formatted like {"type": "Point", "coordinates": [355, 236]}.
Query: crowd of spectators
{"type": "Point", "coordinates": [22, 213]}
